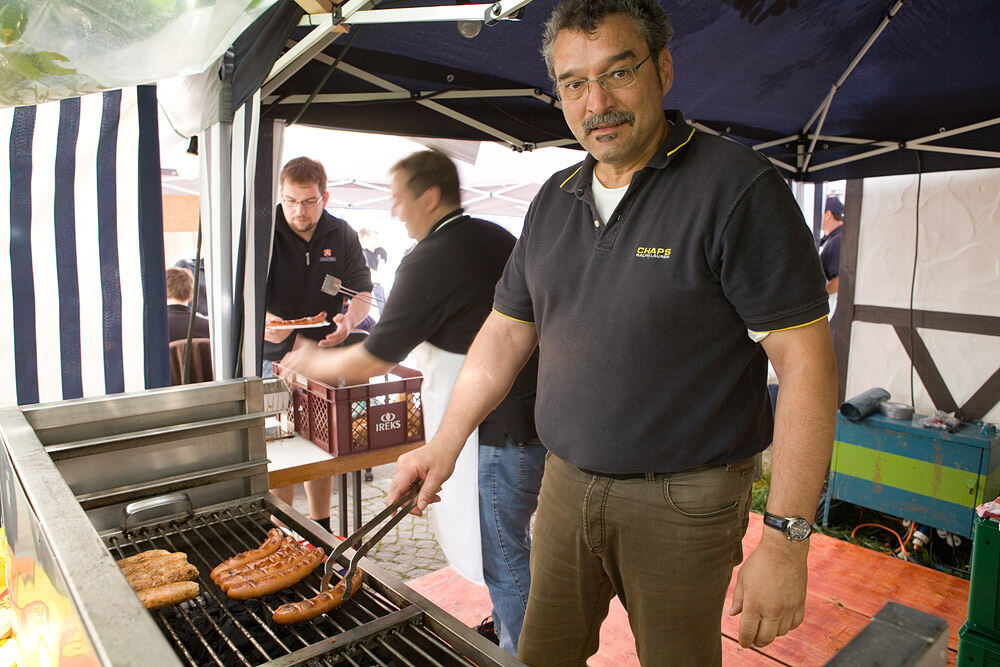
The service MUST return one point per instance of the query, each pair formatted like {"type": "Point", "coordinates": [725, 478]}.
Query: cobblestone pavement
{"type": "Point", "coordinates": [409, 550]}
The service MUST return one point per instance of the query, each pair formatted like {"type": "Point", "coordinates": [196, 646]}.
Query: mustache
{"type": "Point", "coordinates": [607, 118]}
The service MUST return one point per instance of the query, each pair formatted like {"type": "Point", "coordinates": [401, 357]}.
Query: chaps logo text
{"type": "Point", "coordinates": [655, 253]}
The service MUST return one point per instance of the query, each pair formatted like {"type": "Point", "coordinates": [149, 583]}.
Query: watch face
{"type": "Point", "coordinates": [798, 529]}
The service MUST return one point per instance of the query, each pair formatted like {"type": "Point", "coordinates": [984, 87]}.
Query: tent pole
{"type": "Point", "coordinates": [296, 57]}
{"type": "Point", "coordinates": [334, 98]}
{"type": "Point", "coordinates": [957, 130]}
{"type": "Point", "coordinates": [434, 106]}
{"type": "Point", "coordinates": [774, 142]}
{"type": "Point", "coordinates": [824, 107]}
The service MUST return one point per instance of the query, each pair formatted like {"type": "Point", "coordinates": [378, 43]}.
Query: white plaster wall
{"type": "Point", "coordinates": [958, 271]}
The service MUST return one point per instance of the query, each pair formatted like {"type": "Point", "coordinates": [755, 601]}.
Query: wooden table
{"type": "Point", "coordinates": [295, 459]}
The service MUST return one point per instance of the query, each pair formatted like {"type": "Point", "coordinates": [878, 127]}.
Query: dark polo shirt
{"type": "Point", "coordinates": [442, 294]}
{"type": "Point", "coordinates": [829, 253]}
{"type": "Point", "coordinates": [645, 362]}
{"type": "Point", "coordinates": [298, 269]}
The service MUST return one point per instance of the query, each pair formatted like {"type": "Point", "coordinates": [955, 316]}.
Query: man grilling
{"type": "Point", "coordinates": [441, 295]}
{"type": "Point", "coordinates": [652, 402]}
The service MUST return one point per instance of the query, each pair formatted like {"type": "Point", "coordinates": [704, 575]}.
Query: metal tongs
{"type": "Point", "coordinates": [394, 513]}
{"type": "Point", "coordinates": [334, 286]}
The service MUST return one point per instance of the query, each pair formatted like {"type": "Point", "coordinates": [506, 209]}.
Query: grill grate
{"type": "Point", "coordinates": [212, 629]}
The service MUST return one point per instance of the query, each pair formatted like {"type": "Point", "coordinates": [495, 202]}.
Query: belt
{"type": "Point", "coordinates": [621, 475]}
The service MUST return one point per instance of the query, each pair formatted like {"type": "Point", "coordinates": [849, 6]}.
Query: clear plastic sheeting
{"type": "Point", "coordinates": [51, 49]}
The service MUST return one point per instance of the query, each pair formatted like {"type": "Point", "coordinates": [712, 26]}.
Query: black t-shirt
{"type": "Point", "coordinates": [645, 362]}
{"type": "Point", "coordinates": [442, 294]}
{"type": "Point", "coordinates": [178, 317]}
{"type": "Point", "coordinates": [298, 269]}
{"type": "Point", "coordinates": [443, 289]}
{"type": "Point", "coordinates": [829, 253]}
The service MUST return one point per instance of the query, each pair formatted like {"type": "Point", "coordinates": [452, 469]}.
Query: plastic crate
{"type": "Point", "coordinates": [977, 649]}
{"type": "Point", "coordinates": [359, 418]}
{"type": "Point", "coordinates": [984, 594]}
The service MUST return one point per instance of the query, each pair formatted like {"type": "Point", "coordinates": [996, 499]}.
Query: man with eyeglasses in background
{"type": "Point", "coordinates": [310, 244]}
{"type": "Point", "coordinates": [656, 277]}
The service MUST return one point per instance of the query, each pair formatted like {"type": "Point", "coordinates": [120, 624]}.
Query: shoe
{"type": "Point", "coordinates": [486, 629]}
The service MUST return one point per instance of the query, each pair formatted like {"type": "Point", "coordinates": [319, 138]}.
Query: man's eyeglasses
{"type": "Point", "coordinates": [616, 79]}
{"type": "Point", "coordinates": [291, 204]}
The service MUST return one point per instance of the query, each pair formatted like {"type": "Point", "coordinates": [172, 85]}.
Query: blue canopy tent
{"type": "Point", "coordinates": [827, 90]}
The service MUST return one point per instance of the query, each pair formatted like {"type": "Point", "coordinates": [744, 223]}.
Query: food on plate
{"type": "Point", "coordinates": [269, 546]}
{"type": "Point", "coordinates": [167, 595]}
{"type": "Point", "coordinates": [288, 572]}
{"type": "Point", "coordinates": [299, 322]}
{"type": "Point", "coordinates": [306, 610]}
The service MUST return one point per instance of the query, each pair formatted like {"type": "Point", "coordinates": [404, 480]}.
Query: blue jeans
{"type": "Point", "coordinates": [509, 481]}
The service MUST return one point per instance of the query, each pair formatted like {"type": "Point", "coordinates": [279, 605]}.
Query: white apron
{"type": "Point", "coordinates": [456, 518]}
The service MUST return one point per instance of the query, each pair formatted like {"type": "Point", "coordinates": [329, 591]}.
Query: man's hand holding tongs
{"type": "Point", "coordinates": [433, 463]}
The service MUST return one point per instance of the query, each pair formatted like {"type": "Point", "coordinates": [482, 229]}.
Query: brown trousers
{"type": "Point", "coordinates": [665, 544]}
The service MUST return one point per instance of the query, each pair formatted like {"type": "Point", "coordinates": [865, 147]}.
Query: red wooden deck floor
{"type": "Point", "coordinates": [848, 585]}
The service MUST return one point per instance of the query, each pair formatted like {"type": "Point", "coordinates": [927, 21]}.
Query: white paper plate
{"type": "Point", "coordinates": [288, 327]}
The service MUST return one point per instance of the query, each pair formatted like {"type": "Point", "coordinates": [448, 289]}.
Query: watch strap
{"type": "Point", "coordinates": [775, 521]}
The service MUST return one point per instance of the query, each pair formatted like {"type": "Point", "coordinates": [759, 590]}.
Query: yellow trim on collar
{"type": "Point", "coordinates": [676, 148]}
{"type": "Point", "coordinates": [797, 326]}
{"type": "Point", "coordinates": [567, 181]}
{"type": "Point", "coordinates": [512, 318]}
{"type": "Point", "coordinates": [681, 145]}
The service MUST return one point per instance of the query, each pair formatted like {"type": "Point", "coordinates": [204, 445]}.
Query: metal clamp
{"type": "Point", "coordinates": [132, 510]}
{"type": "Point", "coordinates": [391, 515]}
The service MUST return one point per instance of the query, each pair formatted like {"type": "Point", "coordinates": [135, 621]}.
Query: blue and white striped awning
{"type": "Point", "coordinates": [82, 293]}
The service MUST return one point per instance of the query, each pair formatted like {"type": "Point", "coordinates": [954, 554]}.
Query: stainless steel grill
{"type": "Point", "coordinates": [184, 470]}
{"type": "Point", "coordinates": [215, 630]}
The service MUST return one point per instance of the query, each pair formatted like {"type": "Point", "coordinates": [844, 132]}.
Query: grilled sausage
{"type": "Point", "coordinates": [301, 321]}
{"type": "Point", "coordinates": [141, 557]}
{"type": "Point", "coordinates": [307, 610]}
{"type": "Point", "coordinates": [180, 572]}
{"type": "Point", "coordinates": [294, 573]}
{"type": "Point", "coordinates": [289, 551]}
{"type": "Point", "coordinates": [270, 545]}
{"type": "Point", "coordinates": [281, 562]}
{"type": "Point", "coordinates": [168, 594]}
{"type": "Point", "coordinates": [155, 563]}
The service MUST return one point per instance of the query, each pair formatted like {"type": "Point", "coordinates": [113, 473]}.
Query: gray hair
{"type": "Point", "coordinates": [647, 16]}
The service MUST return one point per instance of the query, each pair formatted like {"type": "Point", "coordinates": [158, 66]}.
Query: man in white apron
{"type": "Point", "coordinates": [442, 293]}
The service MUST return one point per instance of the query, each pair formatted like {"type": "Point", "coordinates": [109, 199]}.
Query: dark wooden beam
{"type": "Point", "coordinates": [928, 371]}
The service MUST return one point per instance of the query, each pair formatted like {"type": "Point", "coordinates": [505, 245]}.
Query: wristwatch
{"type": "Point", "coordinates": [795, 528]}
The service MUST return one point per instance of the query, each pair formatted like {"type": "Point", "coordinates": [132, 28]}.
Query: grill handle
{"type": "Point", "coordinates": [139, 507]}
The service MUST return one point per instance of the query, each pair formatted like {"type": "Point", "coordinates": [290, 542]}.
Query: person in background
{"type": "Point", "coordinates": [375, 255]}
{"type": "Point", "coordinates": [188, 263]}
{"type": "Point", "coordinates": [180, 290]}
{"type": "Point", "coordinates": [829, 247]}
{"type": "Point", "coordinates": [829, 243]}
{"type": "Point", "coordinates": [653, 404]}
{"type": "Point", "coordinates": [441, 295]}
{"type": "Point", "coordinates": [309, 245]}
